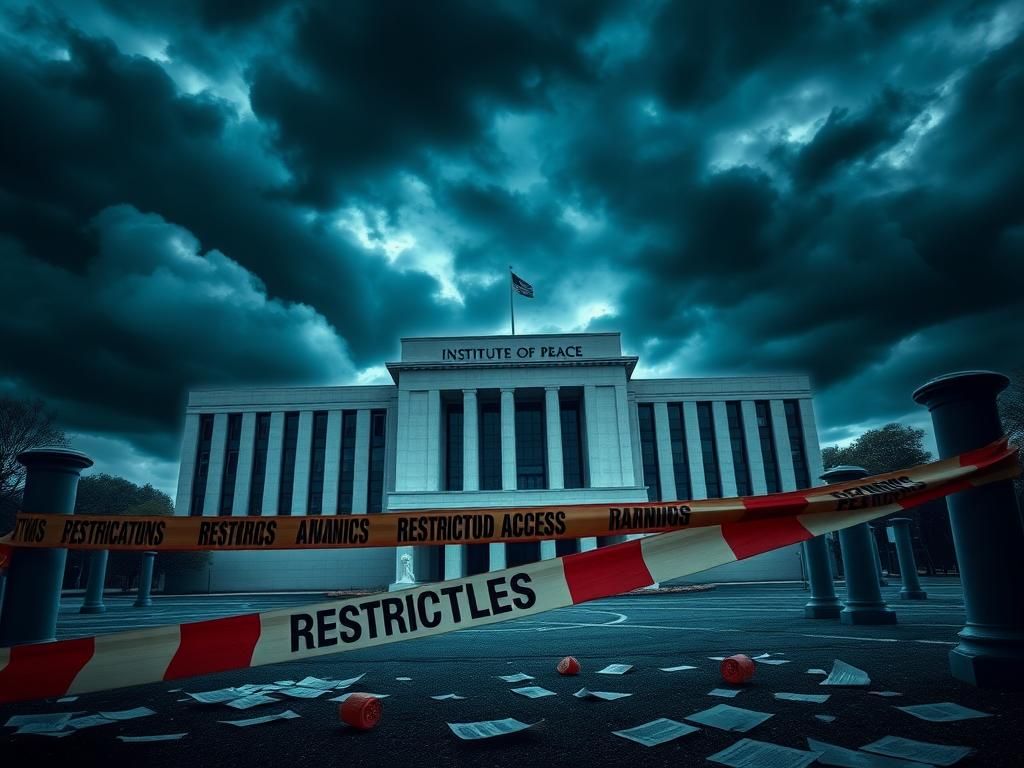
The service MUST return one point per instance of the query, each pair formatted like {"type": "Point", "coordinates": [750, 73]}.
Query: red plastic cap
{"type": "Point", "coordinates": [568, 666]}
{"type": "Point", "coordinates": [361, 710]}
{"type": "Point", "coordinates": [737, 669]}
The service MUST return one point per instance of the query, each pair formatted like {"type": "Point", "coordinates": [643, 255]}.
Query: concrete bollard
{"type": "Point", "coordinates": [823, 603]}
{"type": "Point", "coordinates": [988, 534]}
{"type": "Point", "coordinates": [905, 554]}
{"type": "Point", "coordinates": [864, 603]}
{"type": "Point", "coordinates": [97, 579]}
{"type": "Point", "coordinates": [32, 598]}
{"type": "Point", "coordinates": [144, 599]}
{"type": "Point", "coordinates": [878, 559]}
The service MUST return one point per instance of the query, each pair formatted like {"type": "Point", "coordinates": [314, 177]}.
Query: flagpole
{"type": "Point", "coordinates": [511, 303]}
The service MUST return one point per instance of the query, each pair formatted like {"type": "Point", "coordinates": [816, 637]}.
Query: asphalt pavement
{"type": "Point", "coordinates": [648, 631]}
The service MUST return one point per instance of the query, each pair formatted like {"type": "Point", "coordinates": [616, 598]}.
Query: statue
{"type": "Point", "coordinates": [407, 575]}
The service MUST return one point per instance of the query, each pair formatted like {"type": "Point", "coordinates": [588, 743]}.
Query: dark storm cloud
{"type": "Point", "coordinates": [196, 193]}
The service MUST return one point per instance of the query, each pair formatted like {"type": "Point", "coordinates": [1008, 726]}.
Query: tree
{"type": "Point", "coordinates": [24, 424]}
{"type": "Point", "coordinates": [892, 447]}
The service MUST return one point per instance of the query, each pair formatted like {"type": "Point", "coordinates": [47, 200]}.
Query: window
{"type": "Point", "coordinates": [291, 439]}
{"type": "Point", "coordinates": [378, 431]}
{"type": "Point", "coordinates": [531, 456]}
{"type": "Point", "coordinates": [202, 469]}
{"type": "Point", "coordinates": [680, 458]}
{"type": "Point", "coordinates": [490, 447]}
{"type": "Point", "coordinates": [738, 440]}
{"type": "Point", "coordinates": [315, 499]}
{"type": "Point", "coordinates": [764, 432]}
{"type": "Point", "coordinates": [796, 443]}
{"type": "Point", "coordinates": [572, 443]}
{"type": "Point", "coordinates": [453, 437]}
{"type": "Point", "coordinates": [709, 450]}
{"type": "Point", "coordinates": [259, 463]}
{"type": "Point", "coordinates": [649, 451]}
{"type": "Point", "coordinates": [227, 488]}
{"type": "Point", "coordinates": [346, 472]}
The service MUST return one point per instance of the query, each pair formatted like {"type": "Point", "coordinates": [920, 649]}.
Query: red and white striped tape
{"type": "Point", "coordinates": [185, 650]}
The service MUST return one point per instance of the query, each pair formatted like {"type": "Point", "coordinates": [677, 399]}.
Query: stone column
{"type": "Point", "coordinates": [272, 478]}
{"type": "Point", "coordinates": [97, 578]}
{"type": "Point", "coordinates": [470, 441]}
{"type": "Point", "coordinates": [988, 534]}
{"type": "Point", "coordinates": [905, 553]}
{"type": "Point", "coordinates": [187, 464]}
{"type": "Point", "coordinates": [332, 462]}
{"type": "Point", "coordinates": [508, 439]}
{"type": "Point", "coordinates": [698, 486]}
{"type": "Point", "coordinates": [303, 464]}
{"type": "Point", "coordinates": [32, 598]}
{"type": "Point", "coordinates": [215, 473]}
{"type": "Point", "coordinates": [666, 465]}
{"type": "Point", "coordinates": [361, 464]}
{"type": "Point", "coordinates": [144, 600]}
{"type": "Point", "coordinates": [243, 475]}
{"type": "Point", "coordinates": [823, 603]}
{"type": "Point", "coordinates": [556, 476]}
{"type": "Point", "coordinates": [454, 561]}
{"type": "Point", "coordinates": [864, 603]}
{"type": "Point", "coordinates": [878, 558]}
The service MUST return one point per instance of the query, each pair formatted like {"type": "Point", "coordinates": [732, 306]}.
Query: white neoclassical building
{"type": "Point", "coordinates": [480, 421]}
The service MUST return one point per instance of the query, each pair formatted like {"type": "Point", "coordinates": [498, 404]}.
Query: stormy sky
{"type": "Point", "coordinates": [198, 193]}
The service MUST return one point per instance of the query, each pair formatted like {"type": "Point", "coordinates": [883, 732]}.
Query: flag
{"type": "Point", "coordinates": [522, 287]}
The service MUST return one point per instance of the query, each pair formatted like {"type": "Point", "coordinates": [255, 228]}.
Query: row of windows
{"type": "Point", "coordinates": [289, 451]}
{"type": "Point", "coordinates": [531, 445]}
{"type": "Point", "coordinates": [709, 448]}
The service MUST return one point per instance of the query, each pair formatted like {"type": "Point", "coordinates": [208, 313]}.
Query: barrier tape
{"type": "Point", "coordinates": [466, 526]}
{"type": "Point", "coordinates": [166, 653]}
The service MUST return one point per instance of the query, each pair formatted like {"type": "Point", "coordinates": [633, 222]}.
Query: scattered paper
{"type": "Point", "coordinates": [346, 695]}
{"type": "Point", "coordinates": [583, 693]}
{"type": "Point", "coordinates": [245, 690]}
{"type": "Point", "coordinates": [448, 697]}
{"type": "Point", "coordinates": [89, 721]}
{"type": "Point", "coordinates": [615, 669]}
{"type": "Point", "coordinates": [852, 758]}
{"type": "Point", "coordinates": [488, 729]}
{"type": "Point", "coordinates": [128, 714]}
{"type": "Point", "coordinates": [304, 693]}
{"type": "Point", "coordinates": [887, 694]}
{"type": "Point", "coordinates": [161, 737]}
{"type": "Point", "coordinates": [725, 693]}
{"type": "Point", "coordinates": [185, 699]}
{"type": "Point", "coordinates": [285, 683]}
{"type": "Point", "coordinates": [41, 728]}
{"type": "Point", "coordinates": [214, 697]}
{"type": "Point", "coordinates": [656, 732]}
{"type": "Point", "coordinates": [717, 658]}
{"type": "Point", "coordinates": [816, 672]}
{"type": "Point", "coordinates": [826, 718]}
{"type": "Point", "coordinates": [404, 679]}
{"type": "Point", "coordinates": [33, 732]}
{"type": "Point", "coordinates": [944, 712]}
{"type": "Point", "coordinates": [680, 668]}
{"type": "Point", "coordinates": [534, 692]}
{"type": "Point", "coordinates": [812, 698]}
{"type": "Point", "coordinates": [286, 715]}
{"type": "Point", "coordinates": [518, 678]}
{"type": "Point", "coordinates": [729, 718]}
{"type": "Point", "coordinates": [747, 753]}
{"type": "Point", "coordinates": [922, 751]}
{"type": "Point", "coordinates": [774, 662]}
{"type": "Point", "coordinates": [316, 682]}
{"type": "Point", "coordinates": [56, 719]}
{"type": "Point", "coordinates": [248, 702]}
{"type": "Point", "coordinates": [176, 690]}
{"type": "Point", "coordinates": [346, 683]}
{"type": "Point", "coordinates": [762, 656]}
{"type": "Point", "coordinates": [67, 699]}
{"type": "Point", "coordinates": [844, 674]}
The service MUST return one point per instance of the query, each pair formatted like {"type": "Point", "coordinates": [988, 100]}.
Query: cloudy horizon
{"type": "Point", "coordinates": [198, 194]}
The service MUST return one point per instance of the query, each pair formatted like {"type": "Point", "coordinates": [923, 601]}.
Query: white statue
{"type": "Point", "coordinates": [407, 575]}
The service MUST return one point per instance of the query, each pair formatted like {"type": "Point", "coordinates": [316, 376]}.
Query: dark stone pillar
{"type": "Point", "coordinates": [987, 533]}
{"type": "Point", "coordinates": [145, 581]}
{"type": "Point", "coordinates": [97, 578]}
{"type": "Point", "coordinates": [823, 603]}
{"type": "Point", "coordinates": [905, 553]}
{"type": "Point", "coordinates": [35, 575]}
{"type": "Point", "coordinates": [864, 603]}
{"type": "Point", "coordinates": [878, 558]}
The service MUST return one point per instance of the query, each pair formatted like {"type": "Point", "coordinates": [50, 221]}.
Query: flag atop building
{"type": "Point", "coordinates": [522, 287]}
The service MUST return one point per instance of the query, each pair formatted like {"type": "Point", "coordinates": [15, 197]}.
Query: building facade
{"type": "Point", "coordinates": [486, 421]}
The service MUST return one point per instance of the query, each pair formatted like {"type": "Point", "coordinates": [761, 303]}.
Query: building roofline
{"type": "Point", "coordinates": [508, 336]}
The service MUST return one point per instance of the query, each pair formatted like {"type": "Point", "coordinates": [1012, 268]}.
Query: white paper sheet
{"type": "Point", "coordinates": [816, 672]}
{"type": "Point", "coordinates": [680, 668]}
{"type": "Point", "coordinates": [534, 692]}
{"type": "Point", "coordinates": [160, 737]}
{"type": "Point", "coordinates": [128, 714]}
{"type": "Point", "coordinates": [725, 693]}
{"type": "Point", "coordinates": [214, 697]}
{"type": "Point", "coordinates": [346, 683]}
{"type": "Point", "coordinates": [89, 721]}
{"type": "Point", "coordinates": [346, 695]}
{"type": "Point", "coordinates": [316, 682]}
{"type": "Point", "coordinates": [286, 715]}
{"type": "Point", "coordinates": [810, 698]}
{"type": "Point", "coordinates": [56, 719]}
{"type": "Point", "coordinates": [773, 662]}
{"type": "Point", "coordinates": [583, 693]}
{"type": "Point", "coordinates": [517, 678]}
{"type": "Point", "coordinates": [404, 679]}
{"type": "Point", "coordinates": [41, 730]}
{"type": "Point", "coordinates": [248, 702]}
{"type": "Point", "coordinates": [852, 758]}
{"type": "Point", "coordinates": [886, 694]}
{"type": "Point", "coordinates": [488, 729]}
{"type": "Point", "coordinates": [847, 675]}
{"type": "Point", "coordinates": [656, 732]}
{"type": "Point", "coordinates": [448, 697]}
{"type": "Point", "coordinates": [943, 712]}
{"type": "Point", "coordinates": [922, 751]}
{"type": "Point", "coordinates": [615, 669]}
{"type": "Point", "coordinates": [729, 718]}
{"type": "Point", "coordinates": [304, 693]}
{"type": "Point", "coordinates": [747, 753]}
{"type": "Point", "coordinates": [67, 699]}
